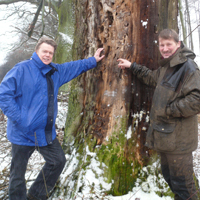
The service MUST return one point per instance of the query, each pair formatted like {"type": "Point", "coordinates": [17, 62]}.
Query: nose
{"type": "Point", "coordinates": [165, 48]}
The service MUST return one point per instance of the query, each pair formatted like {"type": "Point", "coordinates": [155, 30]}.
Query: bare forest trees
{"type": "Point", "coordinates": [30, 20]}
{"type": "Point", "coordinates": [190, 23]}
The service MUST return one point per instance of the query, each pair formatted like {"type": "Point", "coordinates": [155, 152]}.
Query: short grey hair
{"type": "Point", "coordinates": [169, 34]}
{"type": "Point", "coordinates": [47, 40]}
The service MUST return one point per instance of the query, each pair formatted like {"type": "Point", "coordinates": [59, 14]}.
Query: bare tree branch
{"type": "Point", "coordinates": [7, 2]}
{"type": "Point", "coordinates": [24, 32]}
{"type": "Point", "coordinates": [32, 25]}
{"type": "Point", "coordinates": [54, 4]}
{"type": "Point", "coordinates": [43, 24]}
{"type": "Point", "coordinates": [193, 31]}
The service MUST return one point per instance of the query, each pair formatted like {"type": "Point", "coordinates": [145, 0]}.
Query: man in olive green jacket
{"type": "Point", "coordinates": [173, 130]}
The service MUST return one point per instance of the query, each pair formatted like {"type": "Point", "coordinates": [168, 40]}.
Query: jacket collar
{"type": "Point", "coordinates": [170, 60]}
{"type": "Point", "coordinates": [39, 64]}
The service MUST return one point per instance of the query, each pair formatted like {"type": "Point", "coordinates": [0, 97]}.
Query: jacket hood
{"type": "Point", "coordinates": [186, 52]}
{"type": "Point", "coordinates": [180, 56]}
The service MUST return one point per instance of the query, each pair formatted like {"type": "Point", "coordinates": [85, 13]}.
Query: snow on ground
{"type": "Point", "coordinates": [88, 177]}
{"type": "Point", "coordinates": [196, 161]}
{"type": "Point", "coordinates": [145, 191]}
{"type": "Point", "coordinates": [92, 177]}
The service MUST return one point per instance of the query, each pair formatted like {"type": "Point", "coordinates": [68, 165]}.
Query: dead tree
{"type": "Point", "coordinates": [106, 102]}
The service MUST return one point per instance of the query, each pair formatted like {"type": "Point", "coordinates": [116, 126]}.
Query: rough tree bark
{"type": "Point", "coordinates": [106, 102]}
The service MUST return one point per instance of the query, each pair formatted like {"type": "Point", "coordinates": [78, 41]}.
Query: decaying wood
{"type": "Point", "coordinates": [125, 29]}
{"type": "Point", "coordinates": [111, 105]}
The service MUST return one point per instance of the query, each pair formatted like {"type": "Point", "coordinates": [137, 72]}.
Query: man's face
{"type": "Point", "coordinates": [45, 53]}
{"type": "Point", "coordinates": [167, 47]}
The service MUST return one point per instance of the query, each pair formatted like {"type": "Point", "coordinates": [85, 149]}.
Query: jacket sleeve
{"type": "Point", "coordinates": [146, 75]}
{"type": "Point", "coordinates": [9, 91]}
{"type": "Point", "coordinates": [70, 70]}
{"type": "Point", "coordinates": [189, 104]}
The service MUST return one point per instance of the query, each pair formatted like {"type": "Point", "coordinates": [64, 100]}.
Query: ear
{"type": "Point", "coordinates": [179, 44]}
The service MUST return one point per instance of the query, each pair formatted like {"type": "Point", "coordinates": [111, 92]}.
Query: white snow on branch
{"type": "Point", "coordinates": [66, 38]}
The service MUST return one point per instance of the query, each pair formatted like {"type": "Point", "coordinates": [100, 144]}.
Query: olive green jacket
{"type": "Point", "coordinates": [176, 102]}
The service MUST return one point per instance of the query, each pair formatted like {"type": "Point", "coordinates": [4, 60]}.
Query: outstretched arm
{"type": "Point", "coordinates": [71, 70]}
{"type": "Point", "coordinates": [97, 55]}
{"type": "Point", "coordinates": [148, 76]}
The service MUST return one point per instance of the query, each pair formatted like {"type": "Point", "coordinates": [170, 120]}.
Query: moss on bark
{"type": "Point", "coordinates": [65, 32]}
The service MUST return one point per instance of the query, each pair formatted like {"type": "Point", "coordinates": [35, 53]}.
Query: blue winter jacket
{"type": "Point", "coordinates": [24, 97]}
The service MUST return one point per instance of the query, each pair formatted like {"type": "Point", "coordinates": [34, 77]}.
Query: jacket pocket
{"type": "Point", "coordinates": [164, 136]}
{"type": "Point", "coordinates": [23, 121]}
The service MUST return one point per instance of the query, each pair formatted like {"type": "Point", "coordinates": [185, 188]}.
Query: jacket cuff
{"type": "Point", "coordinates": [133, 65]}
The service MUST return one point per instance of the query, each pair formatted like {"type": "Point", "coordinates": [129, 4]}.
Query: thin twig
{"type": "Point", "coordinates": [192, 31]}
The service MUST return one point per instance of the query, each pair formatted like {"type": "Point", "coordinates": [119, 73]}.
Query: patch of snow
{"type": "Point", "coordinates": [144, 23]}
{"type": "Point", "coordinates": [89, 178]}
{"type": "Point", "coordinates": [110, 93]}
{"type": "Point", "coordinates": [62, 114]}
{"type": "Point", "coordinates": [66, 38]}
{"type": "Point", "coordinates": [129, 133]}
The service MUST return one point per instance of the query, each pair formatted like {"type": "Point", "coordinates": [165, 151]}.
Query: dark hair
{"type": "Point", "coordinates": [169, 34]}
{"type": "Point", "coordinates": [47, 40]}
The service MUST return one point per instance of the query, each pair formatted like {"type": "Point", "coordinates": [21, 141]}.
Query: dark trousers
{"type": "Point", "coordinates": [178, 173]}
{"type": "Point", "coordinates": [44, 183]}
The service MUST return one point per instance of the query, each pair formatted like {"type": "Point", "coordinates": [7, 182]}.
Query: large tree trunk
{"type": "Point", "coordinates": [109, 108]}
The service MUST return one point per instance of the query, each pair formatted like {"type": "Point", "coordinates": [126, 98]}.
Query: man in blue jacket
{"type": "Point", "coordinates": [28, 96]}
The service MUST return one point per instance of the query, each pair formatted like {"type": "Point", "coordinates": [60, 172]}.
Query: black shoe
{"type": "Point", "coordinates": [31, 197]}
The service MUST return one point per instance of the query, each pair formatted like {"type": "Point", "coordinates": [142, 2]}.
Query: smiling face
{"type": "Point", "coordinates": [45, 53]}
{"type": "Point", "coordinates": [167, 47]}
